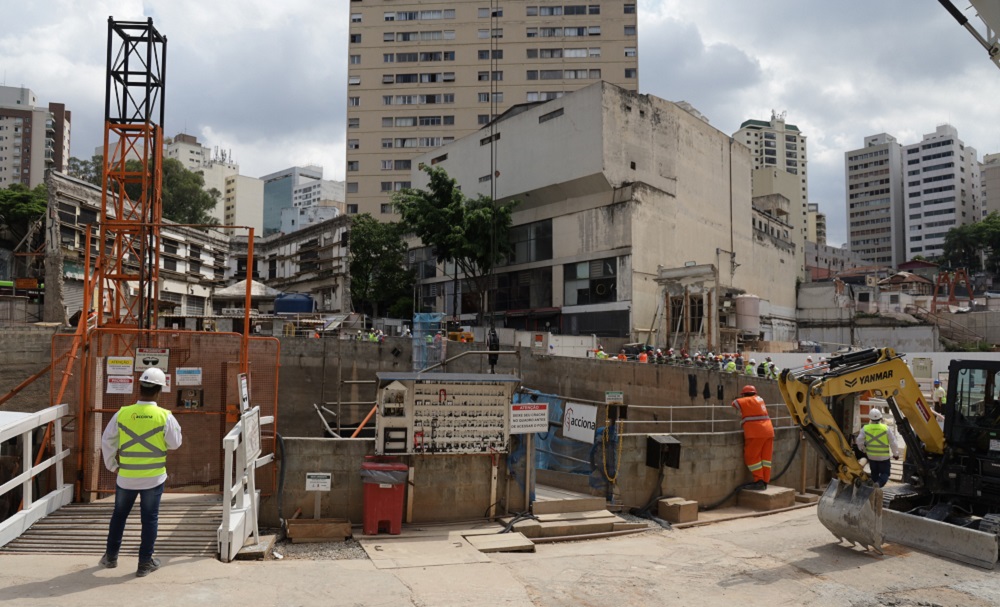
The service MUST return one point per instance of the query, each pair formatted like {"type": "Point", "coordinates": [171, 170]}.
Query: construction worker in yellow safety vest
{"type": "Point", "coordinates": [751, 368]}
{"type": "Point", "coordinates": [135, 445]}
{"type": "Point", "coordinates": [730, 366]}
{"type": "Point", "coordinates": [878, 441]}
{"type": "Point", "coordinates": [601, 354]}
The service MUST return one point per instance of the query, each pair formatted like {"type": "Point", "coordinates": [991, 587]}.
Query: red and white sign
{"type": "Point", "coordinates": [146, 358]}
{"type": "Point", "coordinates": [528, 418]}
{"type": "Point", "coordinates": [120, 384]}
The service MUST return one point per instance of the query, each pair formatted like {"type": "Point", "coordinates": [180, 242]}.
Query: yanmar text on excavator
{"type": "Point", "coordinates": [949, 502]}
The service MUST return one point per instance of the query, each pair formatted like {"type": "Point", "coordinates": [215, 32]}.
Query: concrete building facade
{"type": "Point", "coordinates": [990, 188]}
{"type": "Point", "coordinates": [33, 138]}
{"type": "Point", "coordinates": [816, 226]}
{"type": "Point", "coordinates": [642, 186]}
{"type": "Point", "coordinates": [942, 184]}
{"type": "Point", "coordinates": [243, 203]}
{"type": "Point", "coordinates": [778, 150]}
{"type": "Point", "coordinates": [297, 188]}
{"type": "Point", "coordinates": [422, 74]}
{"type": "Point", "coordinates": [875, 212]}
{"type": "Point", "coordinates": [823, 262]}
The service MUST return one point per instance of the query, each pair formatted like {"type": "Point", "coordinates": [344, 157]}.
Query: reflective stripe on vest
{"type": "Point", "coordinates": [877, 440]}
{"type": "Point", "coordinates": [142, 446]}
{"type": "Point", "coordinates": [754, 418]}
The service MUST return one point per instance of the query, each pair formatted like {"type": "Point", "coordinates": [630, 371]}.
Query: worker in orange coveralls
{"type": "Point", "coordinates": [758, 435]}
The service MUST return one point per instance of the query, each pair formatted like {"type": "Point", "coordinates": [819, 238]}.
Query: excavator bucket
{"type": "Point", "coordinates": [853, 513]}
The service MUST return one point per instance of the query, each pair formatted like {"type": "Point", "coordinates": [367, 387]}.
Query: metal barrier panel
{"type": "Point", "coordinates": [203, 369]}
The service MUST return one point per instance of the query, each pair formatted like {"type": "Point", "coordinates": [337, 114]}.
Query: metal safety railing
{"type": "Point", "coordinates": [721, 418]}
{"type": "Point", "coordinates": [23, 425]}
{"type": "Point", "coordinates": [240, 498]}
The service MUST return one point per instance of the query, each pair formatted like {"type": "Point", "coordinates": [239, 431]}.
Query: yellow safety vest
{"type": "Point", "coordinates": [142, 446]}
{"type": "Point", "coordinates": [877, 440]}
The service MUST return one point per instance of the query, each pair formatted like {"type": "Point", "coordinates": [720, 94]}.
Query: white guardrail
{"type": "Point", "coordinates": [240, 498]}
{"type": "Point", "coordinates": [12, 425]}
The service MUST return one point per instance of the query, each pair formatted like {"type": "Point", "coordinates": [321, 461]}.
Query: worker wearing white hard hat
{"type": "Point", "coordinates": [135, 444]}
{"type": "Point", "coordinates": [878, 441]}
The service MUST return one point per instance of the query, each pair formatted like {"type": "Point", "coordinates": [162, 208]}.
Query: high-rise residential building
{"type": "Point", "coordinates": [875, 212]}
{"type": "Point", "coordinates": [243, 204]}
{"type": "Point", "coordinates": [424, 73]}
{"type": "Point", "coordinates": [776, 148]}
{"type": "Point", "coordinates": [816, 225]}
{"type": "Point", "coordinates": [942, 184]}
{"type": "Point", "coordinates": [990, 177]}
{"type": "Point", "coordinates": [32, 138]}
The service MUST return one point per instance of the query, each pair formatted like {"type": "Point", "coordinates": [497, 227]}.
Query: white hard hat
{"type": "Point", "coordinates": [874, 415]}
{"type": "Point", "coordinates": [809, 358]}
{"type": "Point", "coordinates": [753, 362]}
{"type": "Point", "coordinates": [152, 377]}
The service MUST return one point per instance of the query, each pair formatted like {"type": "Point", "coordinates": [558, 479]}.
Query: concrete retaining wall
{"type": "Point", "coordinates": [25, 351]}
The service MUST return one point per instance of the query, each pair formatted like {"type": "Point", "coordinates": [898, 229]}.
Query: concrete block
{"type": "Point", "coordinates": [806, 498]}
{"type": "Point", "coordinates": [677, 510]}
{"type": "Point", "coordinates": [772, 498]}
{"type": "Point", "coordinates": [582, 504]}
{"type": "Point", "coordinates": [529, 528]}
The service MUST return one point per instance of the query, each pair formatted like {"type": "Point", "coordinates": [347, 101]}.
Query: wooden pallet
{"type": "Point", "coordinates": [188, 526]}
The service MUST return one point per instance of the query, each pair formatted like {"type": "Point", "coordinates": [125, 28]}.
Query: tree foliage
{"type": "Point", "coordinates": [379, 280]}
{"type": "Point", "coordinates": [967, 246]}
{"type": "Point", "coordinates": [471, 232]}
{"type": "Point", "coordinates": [185, 199]}
{"type": "Point", "coordinates": [20, 207]}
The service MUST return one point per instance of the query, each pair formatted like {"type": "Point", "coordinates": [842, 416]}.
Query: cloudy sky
{"type": "Point", "coordinates": [267, 79]}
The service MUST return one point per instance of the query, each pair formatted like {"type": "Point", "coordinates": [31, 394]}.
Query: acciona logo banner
{"type": "Point", "coordinates": [580, 422]}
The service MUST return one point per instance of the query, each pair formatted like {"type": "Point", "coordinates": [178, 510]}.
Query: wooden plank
{"type": "Point", "coordinates": [319, 529]}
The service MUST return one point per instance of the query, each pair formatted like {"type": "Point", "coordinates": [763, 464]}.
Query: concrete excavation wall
{"type": "Point", "coordinates": [26, 350]}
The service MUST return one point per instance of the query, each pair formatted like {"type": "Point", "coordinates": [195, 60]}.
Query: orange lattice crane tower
{"type": "Point", "coordinates": [127, 269]}
{"type": "Point", "coordinates": [947, 285]}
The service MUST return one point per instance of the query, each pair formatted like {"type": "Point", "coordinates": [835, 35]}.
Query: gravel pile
{"type": "Point", "coordinates": [321, 551]}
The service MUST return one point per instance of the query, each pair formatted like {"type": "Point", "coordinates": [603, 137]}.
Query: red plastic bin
{"type": "Point", "coordinates": [383, 501]}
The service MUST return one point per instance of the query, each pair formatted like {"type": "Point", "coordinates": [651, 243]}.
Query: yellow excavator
{"type": "Point", "coordinates": [949, 501]}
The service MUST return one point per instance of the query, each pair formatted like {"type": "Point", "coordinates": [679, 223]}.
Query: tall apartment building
{"type": "Point", "coordinates": [243, 204]}
{"type": "Point", "coordinates": [942, 185]}
{"type": "Point", "coordinates": [298, 188]}
{"type": "Point", "coordinates": [816, 224]}
{"type": "Point", "coordinates": [778, 147]}
{"type": "Point", "coordinates": [875, 213]}
{"type": "Point", "coordinates": [32, 138]}
{"type": "Point", "coordinates": [989, 172]}
{"type": "Point", "coordinates": [424, 73]}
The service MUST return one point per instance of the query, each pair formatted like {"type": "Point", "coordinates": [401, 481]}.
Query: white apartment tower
{"type": "Point", "coordinates": [942, 183]}
{"type": "Point", "coordinates": [875, 229]}
{"type": "Point", "coordinates": [777, 149]}
{"type": "Point", "coordinates": [424, 73]}
{"type": "Point", "coordinates": [32, 138]}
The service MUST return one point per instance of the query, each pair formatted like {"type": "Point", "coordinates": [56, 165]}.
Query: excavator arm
{"type": "Point", "coordinates": [989, 14]}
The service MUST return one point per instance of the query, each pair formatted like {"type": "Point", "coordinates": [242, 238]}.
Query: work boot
{"type": "Point", "coordinates": [758, 486]}
{"type": "Point", "coordinates": [147, 567]}
{"type": "Point", "coordinates": [108, 561]}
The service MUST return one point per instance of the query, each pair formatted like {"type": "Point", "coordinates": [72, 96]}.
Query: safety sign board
{"type": "Point", "coordinates": [120, 365]}
{"type": "Point", "coordinates": [188, 376]}
{"type": "Point", "coordinates": [120, 384]}
{"type": "Point", "coordinates": [527, 418]}
{"type": "Point", "coordinates": [614, 398]}
{"type": "Point", "coordinates": [318, 481]}
{"type": "Point", "coordinates": [146, 358]}
{"type": "Point", "coordinates": [580, 422]}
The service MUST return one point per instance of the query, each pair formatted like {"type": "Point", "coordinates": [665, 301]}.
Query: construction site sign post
{"type": "Point", "coordinates": [580, 422]}
{"type": "Point", "coordinates": [147, 358]}
{"type": "Point", "coordinates": [528, 418]}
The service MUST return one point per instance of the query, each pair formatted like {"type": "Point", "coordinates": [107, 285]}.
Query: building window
{"type": "Point", "coordinates": [355, 38]}
{"type": "Point", "coordinates": [355, 17]}
{"type": "Point", "coordinates": [590, 282]}
{"type": "Point", "coordinates": [354, 101]}
{"type": "Point", "coordinates": [531, 242]}
{"type": "Point", "coordinates": [630, 72]}
{"type": "Point", "coordinates": [352, 165]}
{"type": "Point", "coordinates": [386, 208]}
{"type": "Point", "coordinates": [630, 30]}
{"type": "Point", "coordinates": [402, 165]}
{"type": "Point", "coordinates": [483, 119]}
{"type": "Point", "coordinates": [355, 60]}
{"type": "Point", "coordinates": [385, 186]}
{"type": "Point", "coordinates": [630, 51]}
{"type": "Point", "coordinates": [352, 187]}
{"type": "Point", "coordinates": [386, 166]}
{"type": "Point", "coordinates": [354, 80]}
{"type": "Point", "coordinates": [353, 144]}
{"type": "Point", "coordinates": [353, 123]}
{"type": "Point", "coordinates": [352, 209]}
{"type": "Point", "coordinates": [630, 9]}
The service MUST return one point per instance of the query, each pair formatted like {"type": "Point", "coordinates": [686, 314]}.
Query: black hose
{"type": "Point", "coordinates": [520, 516]}
{"type": "Point", "coordinates": [739, 488]}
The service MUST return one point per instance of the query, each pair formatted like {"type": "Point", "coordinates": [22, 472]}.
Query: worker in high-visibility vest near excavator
{"type": "Point", "coordinates": [758, 435]}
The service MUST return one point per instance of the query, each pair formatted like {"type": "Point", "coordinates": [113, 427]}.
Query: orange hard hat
{"type": "Point", "coordinates": [748, 389]}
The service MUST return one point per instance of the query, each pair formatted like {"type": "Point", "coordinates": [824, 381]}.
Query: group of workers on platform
{"type": "Point", "coordinates": [726, 362]}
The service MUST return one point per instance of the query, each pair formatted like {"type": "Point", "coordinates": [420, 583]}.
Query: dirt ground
{"type": "Point", "coordinates": [781, 559]}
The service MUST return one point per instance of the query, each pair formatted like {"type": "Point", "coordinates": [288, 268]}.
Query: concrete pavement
{"type": "Point", "coordinates": [781, 559]}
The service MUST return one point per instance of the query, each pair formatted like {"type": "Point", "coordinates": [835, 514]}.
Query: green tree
{"type": "Point", "coordinates": [91, 171]}
{"type": "Point", "coordinates": [473, 233]}
{"type": "Point", "coordinates": [184, 197]}
{"type": "Point", "coordinates": [962, 248]}
{"type": "Point", "coordinates": [20, 207]}
{"type": "Point", "coordinates": [379, 279]}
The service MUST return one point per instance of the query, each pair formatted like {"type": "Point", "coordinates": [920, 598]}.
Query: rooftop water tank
{"type": "Point", "coordinates": [748, 313]}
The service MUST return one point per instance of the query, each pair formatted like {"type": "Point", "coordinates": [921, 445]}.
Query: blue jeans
{"type": "Point", "coordinates": [880, 471]}
{"type": "Point", "coordinates": [149, 514]}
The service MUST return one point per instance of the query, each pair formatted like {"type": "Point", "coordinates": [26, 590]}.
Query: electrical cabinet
{"type": "Point", "coordinates": [443, 413]}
